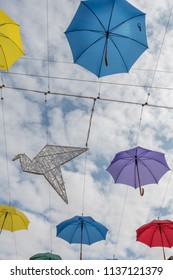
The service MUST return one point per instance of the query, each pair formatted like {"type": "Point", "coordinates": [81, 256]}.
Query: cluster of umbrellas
{"type": "Point", "coordinates": [112, 36]}
{"type": "Point", "coordinates": [135, 167]}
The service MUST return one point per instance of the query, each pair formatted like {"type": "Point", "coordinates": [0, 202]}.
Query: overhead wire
{"type": "Point", "coordinates": [89, 97]}
{"type": "Point", "coordinates": [71, 63]}
{"type": "Point", "coordinates": [46, 115]}
{"type": "Point", "coordinates": [121, 220]}
{"type": "Point", "coordinates": [5, 144]}
{"type": "Point", "coordinates": [103, 82]}
{"type": "Point", "coordinates": [166, 189]}
{"type": "Point", "coordinates": [6, 157]}
{"type": "Point", "coordinates": [154, 75]}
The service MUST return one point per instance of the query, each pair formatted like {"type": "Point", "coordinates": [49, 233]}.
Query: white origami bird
{"type": "Point", "coordinates": [48, 163]}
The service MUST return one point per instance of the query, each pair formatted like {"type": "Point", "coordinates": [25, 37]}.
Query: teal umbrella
{"type": "Point", "coordinates": [45, 256]}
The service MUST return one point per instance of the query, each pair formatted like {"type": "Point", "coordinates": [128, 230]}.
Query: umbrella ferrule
{"type": "Point", "coordinates": [136, 160]}
{"type": "Point", "coordinates": [107, 34]}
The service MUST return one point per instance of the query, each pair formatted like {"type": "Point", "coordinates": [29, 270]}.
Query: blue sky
{"type": "Point", "coordinates": [114, 127]}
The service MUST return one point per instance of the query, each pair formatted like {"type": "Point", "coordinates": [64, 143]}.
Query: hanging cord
{"type": "Point", "coordinates": [159, 214]}
{"type": "Point", "coordinates": [48, 69]}
{"type": "Point", "coordinates": [171, 168]}
{"type": "Point", "coordinates": [90, 122]}
{"type": "Point", "coordinates": [92, 112]}
{"type": "Point", "coordinates": [153, 78]}
{"type": "Point", "coordinates": [157, 62]}
{"type": "Point", "coordinates": [139, 125]}
{"type": "Point", "coordinates": [121, 219]}
{"type": "Point", "coordinates": [50, 220]}
{"type": "Point", "coordinates": [46, 116]}
{"type": "Point", "coordinates": [6, 155]}
{"type": "Point", "coordinates": [84, 184]}
{"type": "Point", "coordinates": [5, 143]}
{"type": "Point", "coordinates": [88, 135]}
{"type": "Point", "coordinates": [160, 210]}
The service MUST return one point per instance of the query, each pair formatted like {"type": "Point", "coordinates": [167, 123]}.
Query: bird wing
{"type": "Point", "coordinates": [55, 179]}
{"type": "Point", "coordinates": [59, 154]}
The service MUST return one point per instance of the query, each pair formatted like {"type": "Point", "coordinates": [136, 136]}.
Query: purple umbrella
{"type": "Point", "coordinates": [138, 167]}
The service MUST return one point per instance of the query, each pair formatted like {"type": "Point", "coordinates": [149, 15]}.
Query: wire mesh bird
{"type": "Point", "coordinates": [48, 163]}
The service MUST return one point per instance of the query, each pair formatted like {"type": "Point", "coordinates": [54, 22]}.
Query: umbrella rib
{"type": "Point", "coordinates": [87, 234]}
{"type": "Point", "coordinates": [141, 162]}
{"type": "Point", "coordinates": [100, 233]}
{"type": "Point", "coordinates": [129, 162]}
{"type": "Point", "coordinates": [166, 238]}
{"type": "Point", "coordinates": [71, 239]}
{"type": "Point", "coordinates": [144, 157]}
{"type": "Point", "coordinates": [156, 161]}
{"type": "Point", "coordinates": [90, 30]}
{"type": "Point", "coordinates": [118, 48]}
{"type": "Point", "coordinates": [147, 158]}
{"type": "Point", "coordinates": [119, 53]}
{"type": "Point", "coordinates": [94, 15]}
{"type": "Point", "coordinates": [23, 220]}
{"type": "Point", "coordinates": [88, 48]}
{"type": "Point", "coordinates": [126, 37]}
{"type": "Point", "coordinates": [12, 42]}
{"type": "Point", "coordinates": [111, 14]}
{"type": "Point", "coordinates": [153, 237]}
{"type": "Point", "coordinates": [4, 57]}
{"type": "Point", "coordinates": [115, 27]}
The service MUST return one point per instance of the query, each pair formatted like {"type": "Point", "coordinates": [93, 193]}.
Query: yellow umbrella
{"type": "Point", "coordinates": [10, 42]}
{"type": "Point", "coordinates": [12, 219]}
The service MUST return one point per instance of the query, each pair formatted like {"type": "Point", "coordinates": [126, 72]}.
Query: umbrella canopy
{"type": "Point", "coordinates": [158, 233]}
{"type": "Point", "coordinates": [45, 256]}
{"type": "Point", "coordinates": [10, 41]}
{"type": "Point", "coordinates": [107, 36]}
{"type": "Point", "coordinates": [12, 219]}
{"type": "Point", "coordinates": [138, 167]}
{"type": "Point", "coordinates": [82, 230]}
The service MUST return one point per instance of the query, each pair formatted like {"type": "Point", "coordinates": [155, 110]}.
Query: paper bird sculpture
{"type": "Point", "coordinates": [48, 163]}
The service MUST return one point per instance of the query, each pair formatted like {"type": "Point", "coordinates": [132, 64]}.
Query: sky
{"type": "Point", "coordinates": [119, 122]}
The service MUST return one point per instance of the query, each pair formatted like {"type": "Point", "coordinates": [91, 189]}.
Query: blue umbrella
{"type": "Point", "coordinates": [107, 36]}
{"type": "Point", "coordinates": [82, 230]}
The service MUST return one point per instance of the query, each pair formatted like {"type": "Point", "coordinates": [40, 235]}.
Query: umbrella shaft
{"type": "Point", "coordinates": [106, 49]}
{"type": "Point", "coordinates": [162, 241]}
{"type": "Point", "coordinates": [140, 188]}
{"type": "Point", "coordinates": [81, 240]}
{"type": "Point", "coordinates": [81, 251]}
{"type": "Point", "coordinates": [3, 222]}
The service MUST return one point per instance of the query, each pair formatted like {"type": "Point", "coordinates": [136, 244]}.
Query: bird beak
{"type": "Point", "coordinates": [16, 157]}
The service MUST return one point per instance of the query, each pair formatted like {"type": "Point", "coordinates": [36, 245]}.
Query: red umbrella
{"type": "Point", "coordinates": [158, 233]}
